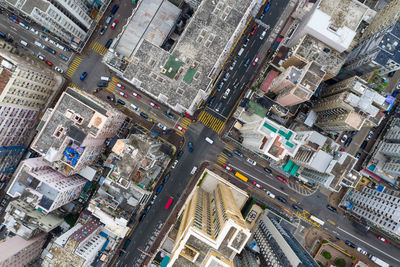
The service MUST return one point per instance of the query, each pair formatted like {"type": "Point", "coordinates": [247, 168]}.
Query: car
{"type": "Point", "coordinates": [53, 42]}
{"type": "Point", "coordinates": [40, 44]}
{"type": "Point", "coordinates": [123, 94]}
{"type": "Point", "coordinates": [233, 65]}
{"type": "Point", "coordinates": [40, 57]}
{"type": "Point", "coordinates": [350, 244]}
{"type": "Point", "coordinates": [109, 98]}
{"type": "Point", "coordinates": [169, 114]}
{"type": "Point", "coordinates": [60, 47]}
{"type": "Point", "coordinates": [283, 180]}
{"type": "Point", "coordinates": [15, 20]}
{"type": "Point", "coordinates": [114, 24]}
{"type": "Point", "coordinates": [190, 146]}
{"type": "Point", "coordinates": [180, 128]}
{"type": "Point", "coordinates": [227, 152]}
{"type": "Point", "coordinates": [166, 177]}
{"type": "Point", "coordinates": [174, 165]}
{"type": "Point", "coordinates": [267, 6]}
{"type": "Point", "coordinates": [342, 150]}
{"type": "Point", "coordinates": [246, 43]}
{"type": "Point", "coordinates": [161, 126]}
{"type": "Point", "coordinates": [256, 60]}
{"type": "Point", "coordinates": [58, 69]}
{"type": "Point", "coordinates": [253, 31]}
{"type": "Point", "coordinates": [226, 76]}
{"type": "Point", "coordinates": [48, 63]}
{"type": "Point", "coordinates": [179, 154]}
{"type": "Point", "coordinates": [343, 139]}
{"type": "Point", "coordinates": [261, 16]}
{"type": "Point", "coordinates": [257, 185]}
{"type": "Point", "coordinates": [364, 144]}
{"type": "Point", "coordinates": [120, 85]}
{"type": "Point", "coordinates": [333, 209]}
{"type": "Point", "coordinates": [298, 208]}
{"type": "Point", "coordinates": [23, 26]}
{"type": "Point", "coordinates": [369, 135]}
{"type": "Point", "coordinates": [358, 155]}
{"type": "Point", "coordinates": [226, 93]}
{"type": "Point", "coordinates": [135, 94]}
{"type": "Point", "coordinates": [153, 200]}
{"type": "Point", "coordinates": [122, 102]}
{"type": "Point", "coordinates": [281, 199]}
{"type": "Point", "coordinates": [103, 29]}
{"type": "Point", "coordinates": [226, 167]}
{"type": "Point", "coordinates": [153, 105]}
{"type": "Point", "coordinates": [108, 19]}
{"type": "Point", "coordinates": [348, 141]}
{"type": "Point", "coordinates": [212, 99]}
{"type": "Point", "coordinates": [220, 86]}
{"type": "Point", "coordinates": [108, 43]}
{"type": "Point", "coordinates": [252, 162]}
{"type": "Point", "coordinates": [219, 106]}
{"type": "Point", "coordinates": [246, 64]}
{"type": "Point", "coordinates": [142, 217]}
{"type": "Point", "coordinates": [63, 57]}
{"type": "Point", "coordinates": [268, 170]}
{"type": "Point", "coordinates": [238, 153]}
{"type": "Point", "coordinates": [381, 238]}
{"type": "Point", "coordinates": [83, 76]}
{"type": "Point", "coordinates": [102, 84]}
{"type": "Point", "coordinates": [144, 115]}
{"type": "Point", "coordinates": [362, 251]}
{"type": "Point", "coordinates": [270, 194]}
{"type": "Point", "coordinates": [44, 37]}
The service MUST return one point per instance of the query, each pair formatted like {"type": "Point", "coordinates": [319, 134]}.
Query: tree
{"type": "Point", "coordinates": [320, 264]}
{"type": "Point", "coordinates": [326, 255]}
{"type": "Point", "coordinates": [340, 262]}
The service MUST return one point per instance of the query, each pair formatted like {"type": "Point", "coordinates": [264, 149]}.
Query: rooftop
{"type": "Point", "coordinates": [180, 76]}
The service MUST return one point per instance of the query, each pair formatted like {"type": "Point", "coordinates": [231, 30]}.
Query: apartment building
{"type": "Point", "coordinates": [21, 218]}
{"type": "Point", "coordinates": [70, 21]}
{"type": "Point", "coordinates": [294, 86]}
{"type": "Point", "coordinates": [278, 247]}
{"type": "Point", "coordinates": [25, 89]}
{"type": "Point", "coordinates": [72, 134]}
{"type": "Point", "coordinates": [47, 189]}
{"type": "Point", "coordinates": [212, 230]}
{"type": "Point", "coordinates": [18, 252]}
{"type": "Point", "coordinates": [350, 105]}
{"type": "Point", "coordinates": [378, 207]}
{"type": "Point", "coordinates": [269, 138]}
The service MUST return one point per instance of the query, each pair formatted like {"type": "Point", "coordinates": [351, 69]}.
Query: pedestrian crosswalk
{"type": "Point", "coordinates": [74, 86]}
{"type": "Point", "coordinates": [211, 122]}
{"type": "Point", "coordinates": [222, 157]}
{"type": "Point", "coordinates": [306, 216]}
{"type": "Point", "coordinates": [98, 48]}
{"type": "Point", "coordinates": [74, 66]}
{"type": "Point", "coordinates": [112, 85]}
{"type": "Point", "coordinates": [185, 122]}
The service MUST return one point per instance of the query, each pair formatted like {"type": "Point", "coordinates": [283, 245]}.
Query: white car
{"type": "Point", "coordinates": [343, 139]}
{"type": "Point", "coordinates": [362, 251]}
{"type": "Point", "coordinates": [58, 69]}
{"type": "Point", "coordinates": [34, 31]}
{"type": "Point", "coordinates": [120, 85]}
{"type": "Point", "coordinates": [252, 162]}
{"type": "Point", "coordinates": [53, 42]}
{"type": "Point", "coordinates": [162, 126]}
{"type": "Point", "coordinates": [40, 57]}
{"type": "Point", "coordinates": [175, 163]}
{"type": "Point", "coordinates": [270, 194]}
{"type": "Point", "coordinates": [40, 45]}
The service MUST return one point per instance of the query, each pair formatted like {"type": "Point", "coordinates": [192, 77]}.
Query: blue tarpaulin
{"type": "Point", "coordinates": [379, 188]}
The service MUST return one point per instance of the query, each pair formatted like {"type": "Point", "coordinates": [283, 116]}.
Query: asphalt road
{"type": "Point", "coordinates": [239, 74]}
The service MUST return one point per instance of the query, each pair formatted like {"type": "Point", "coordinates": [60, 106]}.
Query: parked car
{"type": "Point", "coordinates": [123, 94]}
{"type": "Point", "coordinates": [267, 6]}
{"type": "Point", "coordinates": [252, 162]}
{"type": "Point", "coordinates": [268, 170]}
{"type": "Point", "coordinates": [358, 155]}
{"type": "Point", "coordinates": [362, 251]}
{"type": "Point", "coordinates": [114, 24]}
{"type": "Point", "coordinates": [350, 244]}
{"type": "Point", "coordinates": [48, 63]}
{"type": "Point", "coordinates": [257, 185]}
{"type": "Point", "coordinates": [135, 94]}
{"type": "Point", "coordinates": [58, 69]}
{"type": "Point", "coordinates": [246, 42]}
{"type": "Point", "coordinates": [333, 209]}
{"type": "Point", "coordinates": [50, 50]}
{"type": "Point", "coordinates": [103, 29]}
{"type": "Point", "coordinates": [153, 104]}
{"type": "Point", "coordinates": [348, 141]}
{"type": "Point", "coordinates": [166, 177]}
{"type": "Point", "coordinates": [63, 57]}
{"type": "Point", "coordinates": [120, 86]}
{"type": "Point", "coordinates": [343, 139]}
{"type": "Point", "coordinates": [174, 164]}
{"type": "Point", "coordinates": [161, 126]}
{"type": "Point", "coordinates": [179, 154]}
{"type": "Point", "coordinates": [283, 180]}
{"type": "Point", "coordinates": [253, 31]}
{"type": "Point", "coordinates": [40, 57]}
{"type": "Point", "coordinates": [122, 102]}
{"type": "Point", "coordinates": [238, 153]}
{"type": "Point", "coordinates": [281, 199]}
{"type": "Point", "coordinates": [144, 115]}
{"type": "Point", "coordinates": [381, 238]}
{"type": "Point", "coordinates": [270, 194]}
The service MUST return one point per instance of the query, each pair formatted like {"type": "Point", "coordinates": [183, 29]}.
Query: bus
{"type": "Point", "coordinates": [169, 202]}
{"type": "Point", "coordinates": [315, 219]}
{"type": "Point", "coordinates": [241, 176]}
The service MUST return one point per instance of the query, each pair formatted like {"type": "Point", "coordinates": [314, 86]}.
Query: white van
{"type": "Point", "coordinates": [263, 35]}
{"type": "Point", "coordinates": [23, 42]}
{"type": "Point", "coordinates": [134, 107]}
{"type": "Point", "coordinates": [193, 170]}
{"type": "Point", "coordinates": [240, 52]}
{"type": "Point", "coordinates": [226, 93]}
{"type": "Point", "coordinates": [209, 140]}
{"type": "Point", "coordinates": [105, 78]}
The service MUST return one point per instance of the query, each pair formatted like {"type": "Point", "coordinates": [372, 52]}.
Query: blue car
{"type": "Point", "coordinates": [267, 7]}
{"type": "Point", "coordinates": [190, 145]}
{"type": "Point", "coordinates": [83, 76]}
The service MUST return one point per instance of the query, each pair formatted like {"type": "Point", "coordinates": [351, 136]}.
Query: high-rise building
{"type": "Point", "coordinates": [70, 21]}
{"type": "Point", "coordinates": [24, 220]}
{"type": "Point", "coordinates": [294, 86]}
{"type": "Point", "coordinates": [269, 138]}
{"type": "Point", "coordinates": [212, 230]}
{"type": "Point", "coordinates": [25, 89]}
{"type": "Point", "coordinates": [278, 247]}
{"type": "Point", "coordinates": [378, 52]}
{"type": "Point", "coordinates": [46, 188]}
{"type": "Point", "coordinates": [72, 134]}
{"type": "Point", "coordinates": [379, 207]}
{"type": "Point", "coordinates": [332, 22]}
{"type": "Point", "coordinates": [18, 252]}
{"type": "Point", "coordinates": [350, 105]}
{"type": "Point", "coordinates": [323, 164]}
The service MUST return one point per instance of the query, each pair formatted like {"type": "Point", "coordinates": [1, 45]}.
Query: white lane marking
{"type": "Point", "coordinates": [255, 178]}
{"type": "Point", "coordinates": [396, 259]}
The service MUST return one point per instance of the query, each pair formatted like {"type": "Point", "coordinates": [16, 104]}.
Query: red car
{"type": "Point", "coordinates": [256, 60]}
{"type": "Point", "coordinates": [381, 238]}
{"type": "Point", "coordinates": [283, 180]}
{"type": "Point", "coordinates": [120, 86]}
{"type": "Point", "coordinates": [123, 94]}
{"type": "Point", "coordinates": [180, 128]}
{"type": "Point", "coordinates": [227, 167]}
{"type": "Point", "coordinates": [48, 63]}
{"type": "Point", "coordinates": [153, 105]}
{"type": "Point", "coordinates": [135, 94]}
{"type": "Point", "coordinates": [257, 185]}
{"type": "Point", "coordinates": [114, 24]}
{"type": "Point", "coordinates": [254, 30]}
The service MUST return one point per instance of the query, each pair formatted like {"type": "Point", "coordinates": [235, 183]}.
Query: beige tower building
{"type": "Point", "coordinates": [350, 105]}
{"type": "Point", "coordinates": [295, 86]}
{"type": "Point", "coordinates": [212, 230]}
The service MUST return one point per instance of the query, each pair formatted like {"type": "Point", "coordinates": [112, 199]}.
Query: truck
{"type": "Point", "coordinates": [379, 262]}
